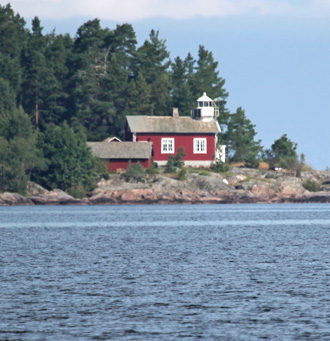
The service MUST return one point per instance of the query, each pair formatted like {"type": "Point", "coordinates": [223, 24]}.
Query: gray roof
{"type": "Point", "coordinates": [168, 124]}
{"type": "Point", "coordinates": [121, 150]}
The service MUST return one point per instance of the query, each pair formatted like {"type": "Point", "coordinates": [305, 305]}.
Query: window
{"type": "Point", "coordinates": [200, 146]}
{"type": "Point", "coordinates": [168, 146]}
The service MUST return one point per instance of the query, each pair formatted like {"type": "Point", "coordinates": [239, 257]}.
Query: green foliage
{"type": "Point", "coordinates": [77, 191]}
{"type": "Point", "coordinates": [152, 170]}
{"type": "Point", "coordinates": [182, 175]}
{"type": "Point", "coordinates": [19, 156]}
{"type": "Point", "coordinates": [240, 140]}
{"type": "Point", "coordinates": [170, 165]}
{"type": "Point", "coordinates": [282, 153]}
{"type": "Point", "coordinates": [100, 76]}
{"type": "Point", "coordinates": [101, 169]}
{"type": "Point", "coordinates": [152, 60]}
{"type": "Point", "coordinates": [70, 161]}
{"type": "Point", "coordinates": [252, 161]}
{"type": "Point", "coordinates": [311, 185]}
{"type": "Point", "coordinates": [135, 172]}
{"type": "Point", "coordinates": [220, 166]}
{"type": "Point", "coordinates": [176, 161]}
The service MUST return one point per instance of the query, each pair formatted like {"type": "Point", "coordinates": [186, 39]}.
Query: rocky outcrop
{"type": "Point", "coordinates": [14, 199]}
{"type": "Point", "coordinates": [57, 197]}
{"type": "Point", "coordinates": [240, 185]}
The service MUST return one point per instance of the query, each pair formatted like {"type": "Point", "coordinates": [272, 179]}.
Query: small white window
{"type": "Point", "coordinates": [200, 146]}
{"type": "Point", "coordinates": [168, 146]}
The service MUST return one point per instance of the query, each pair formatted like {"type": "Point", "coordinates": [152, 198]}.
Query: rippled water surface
{"type": "Point", "coordinates": [231, 272]}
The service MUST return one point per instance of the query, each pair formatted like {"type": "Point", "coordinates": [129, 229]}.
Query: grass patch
{"type": "Point", "coordinates": [256, 179]}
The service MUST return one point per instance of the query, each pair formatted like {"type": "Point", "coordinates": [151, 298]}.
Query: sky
{"type": "Point", "coordinates": [273, 54]}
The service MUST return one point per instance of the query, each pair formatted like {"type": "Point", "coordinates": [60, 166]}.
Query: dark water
{"type": "Point", "coordinates": [229, 272]}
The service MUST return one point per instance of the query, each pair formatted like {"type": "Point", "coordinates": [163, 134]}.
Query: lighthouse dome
{"type": "Point", "coordinates": [205, 98]}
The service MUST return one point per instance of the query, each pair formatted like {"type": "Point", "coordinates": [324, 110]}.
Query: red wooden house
{"type": "Point", "coordinates": [197, 134]}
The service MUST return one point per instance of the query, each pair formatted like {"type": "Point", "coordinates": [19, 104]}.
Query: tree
{"type": "Point", "coordinates": [56, 97]}
{"type": "Point", "coordinates": [282, 153]}
{"type": "Point", "coordinates": [205, 78]}
{"type": "Point", "coordinates": [13, 38]}
{"type": "Point", "coordinates": [19, 156]}
{"type": "Point", "coordinates": [240, 139]}
{"type": "Point", "coordinates": [174, 162]}
{"type": "Point", "coordinates": [152, 60]}
{"type": "Point", "coordinates": [39, 87]}
{"type": "Point", "coordinates": [88, 67]}
{"type": "Point", "coordinates": [181, 94]}
{"type": "Point", "coordinates": [71, 165]}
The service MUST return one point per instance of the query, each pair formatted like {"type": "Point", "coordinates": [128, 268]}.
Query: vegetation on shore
{"type": "Point", "coordinates": [58, 92]}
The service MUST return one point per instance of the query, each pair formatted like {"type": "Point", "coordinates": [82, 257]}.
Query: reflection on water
{"type": "Point", "coordinates": [165, 272]}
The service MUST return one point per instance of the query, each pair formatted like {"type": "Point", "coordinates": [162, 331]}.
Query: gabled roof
{"type": "Point", "coordinates": [121, 150]}
{"type": "Point", "coordinates": [168, 124]}
{"type": "Point", "coordinates": [112, 139]}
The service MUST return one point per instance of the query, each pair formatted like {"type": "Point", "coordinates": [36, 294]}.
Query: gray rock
{"type": "Point", "coordinates": [14, 199]}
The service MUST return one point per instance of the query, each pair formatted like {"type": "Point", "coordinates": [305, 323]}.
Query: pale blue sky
{"type": "Point", "coordinates": [274, 55]}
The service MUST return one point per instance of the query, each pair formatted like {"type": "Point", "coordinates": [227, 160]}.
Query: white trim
{"type": "Point", "coordinates": [197, 163]}
{"type": "Point", "coordinates": [168, 146]}
{"type": "Point", "coordinates": [200, 145]}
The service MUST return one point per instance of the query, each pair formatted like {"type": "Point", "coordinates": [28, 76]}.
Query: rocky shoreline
{"type": "Point", "coordinates": [238, 186]}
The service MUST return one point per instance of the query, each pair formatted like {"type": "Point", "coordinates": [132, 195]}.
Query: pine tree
{"type": "Point", "coordinates": [40, 87]}
{"type": "Point", "coordinates": [13, 39]}
{"type": "Point", "coordinates": [240, 139]}
{"type": "Point", "coordinates": [206, 79]}
{"type": "Point", "coordinates": [152, 60]}
{"type": "Point", "coordinates": [89, 64]}
{"type": "Point", "coordinates": [283, 153]}
{"type": "Point", "coordinates": [181, 95]}
{"type": "Point", "coordinates": [56, 96]}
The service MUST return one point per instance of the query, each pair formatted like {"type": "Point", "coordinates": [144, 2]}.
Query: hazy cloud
{"type": "Point", "coordinates": [131, 10]}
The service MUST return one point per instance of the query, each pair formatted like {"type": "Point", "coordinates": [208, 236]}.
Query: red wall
{"type": "Point", "coordinates": [113, 165]}
{"type": "Point", "coordinates": [184, 140]}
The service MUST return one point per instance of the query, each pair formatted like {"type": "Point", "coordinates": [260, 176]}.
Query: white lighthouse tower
{"type": "Point", "coordinates": [206, 110]}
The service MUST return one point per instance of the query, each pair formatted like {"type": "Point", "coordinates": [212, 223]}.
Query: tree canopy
{"type": "Point", "coordinates": [283, 153]}
{"type": "Point", "coordinates": [61, 90]}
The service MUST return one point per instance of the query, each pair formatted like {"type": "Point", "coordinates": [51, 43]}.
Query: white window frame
{"type": "Point", "coordinates": [200, 145]}
{"type": "Point", "coordinates": [168, 145]}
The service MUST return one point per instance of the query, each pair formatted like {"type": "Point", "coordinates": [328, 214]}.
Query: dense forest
{"type": "Point", "coordinates": [58, 91]}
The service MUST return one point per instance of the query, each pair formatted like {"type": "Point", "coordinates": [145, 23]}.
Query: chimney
{"type": "Point", "coordinates": [175, 113]}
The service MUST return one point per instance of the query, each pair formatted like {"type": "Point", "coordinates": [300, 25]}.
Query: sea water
{"type": "Point", "coordinates": [230, 272]}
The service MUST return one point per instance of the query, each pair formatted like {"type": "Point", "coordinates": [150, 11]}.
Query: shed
{"type": "Point", "coordinates": [119, 155]}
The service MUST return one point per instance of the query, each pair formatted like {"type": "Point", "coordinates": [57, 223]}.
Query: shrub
{"type": "Point", "coordinates": [170, 165]}
{"type": "Point", "coordinates": [175, 162]}
{"type": "Point", "coordinates": [152, 170]}
{"type": "Point", "coordinates": [135, 172]}
{"type": "Point", "coordinates": [252, 162]}
{"type": "Point", "coordinates": [182, 175]}
{"type": "Point", "coordinates": [311, 185]}
{"type": "Point", "coordinates": [178, 158]}
{"type": "Point", "coordinates": [77, 191]}
{"type": "Point", "coordinates": [220, 166]}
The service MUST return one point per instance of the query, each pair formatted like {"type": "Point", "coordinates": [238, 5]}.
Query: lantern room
{"type": "Point", "coordinates": [206, 110]}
